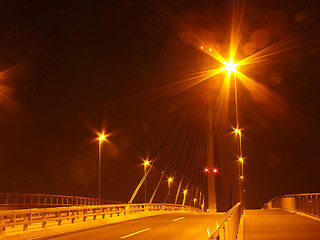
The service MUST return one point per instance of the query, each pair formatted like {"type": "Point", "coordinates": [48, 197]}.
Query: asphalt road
{"type": "Point", "coordinates": [174, 226]}
{"type": "Point", "coordinates": [279, 225]}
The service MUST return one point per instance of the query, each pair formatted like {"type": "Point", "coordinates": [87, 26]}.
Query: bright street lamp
{"type": "Point", "coordinates": [170, 179]}
{"type": "Point", "coordinates": [146, 163]}
{"type": "Point", "coordinates": [184, 197]}
{"type": "Point", "coordinates": [230, 66]}
{"type": "Point", "coordinates": [194, 202]}
{"type": "Point", "coordinates": [101, 138]}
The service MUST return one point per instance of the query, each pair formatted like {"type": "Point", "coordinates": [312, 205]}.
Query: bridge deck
{"type": "Point", "coordinates": [278, 224]}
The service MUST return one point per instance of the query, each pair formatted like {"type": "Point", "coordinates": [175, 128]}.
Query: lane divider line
{"type": "Point", "coordinates": [177, 219]}
{"type": "Point", "coordinates": [129, 235]}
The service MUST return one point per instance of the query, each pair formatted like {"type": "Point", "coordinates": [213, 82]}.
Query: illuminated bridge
{"type": "Point", "coordinates": [66, 217]}
{"type": "Point", "coordinates": [188, 113]}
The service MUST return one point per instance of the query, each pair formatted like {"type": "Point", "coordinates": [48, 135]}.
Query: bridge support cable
{"type": "Point", "coordinates": [178, 191]}
{"type": "Point", "coordinates": [170, 156]}
{"type": "Point", "coordinates": [156, 156]}
{"type": "Point", "coordinates": [180, 158]}
{"type": "Point", "coordinates": [161, 146]}
{"type": "Point", "coordinates": [193, 138]}
{"type": "Point", "coordinates": [195, 164]}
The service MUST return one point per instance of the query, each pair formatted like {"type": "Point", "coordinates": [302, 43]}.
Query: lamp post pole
{"type": "Point", "coordinates": [101, 138]}
{"type": "Point", "coordinates": [145, 164]}
{"type": "Point", "coordinates": [238, 133]}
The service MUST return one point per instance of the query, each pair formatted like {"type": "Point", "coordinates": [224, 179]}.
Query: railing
{"type": "Point", "coordinates": [304, 203]}
{"type": "Point", "coordinates": [42, 200]}
{"type": "Point", "coordinates": [228, 228]}
{"type": "Point", "coordinates": [64, 215]}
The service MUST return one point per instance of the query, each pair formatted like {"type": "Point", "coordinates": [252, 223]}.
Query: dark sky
{"type": "Point", "coordinates": [69, 68]}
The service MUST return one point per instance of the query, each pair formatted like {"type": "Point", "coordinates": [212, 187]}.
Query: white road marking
{"type": "Point", "coordinates": [129, 235]}
{"type": "Point", "coordinates": [177, 219]}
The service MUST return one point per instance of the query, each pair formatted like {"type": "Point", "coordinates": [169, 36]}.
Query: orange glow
{"type": "Point", "coordinates": [194, 199]}
{"type": "Point", "coordinates": [146, 162]}
{"type": "Point", "coordinates": [185, 192]}
{"type": "Point", "coordinates": [215, 170]}
{"type": "Point", "coordinates": [241, 177]}
{"type": "Point", "coordinates": [201, 47]}
{"type": "Point", "coordinates": [240, 159]}
{"type": "Point", "coordinates": [206, 170]}
{"type": "Point", "coordinates": [236, 131]}
{"type": "Point", "coordinates": [210, 49]}
{"type": "Point", "coordinates": [170, 179]}
{"type": "Point", "coordinates": [102, 137]}
{"type": "Point", "coordinates": [230, 66]}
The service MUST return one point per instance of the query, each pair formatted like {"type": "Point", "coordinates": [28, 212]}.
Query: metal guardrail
{"type": "Point", "coordinates": [308, 203]}
{"type": "Point", "coordinates": [228, 228]}
{"type": "Point", "coordinates": [64, 215]}
{"type": "Point", "coordinates": [46, 200]}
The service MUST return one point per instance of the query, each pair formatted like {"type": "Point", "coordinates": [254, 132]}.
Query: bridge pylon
{"type": "Point", "coordinates": [210, 155]}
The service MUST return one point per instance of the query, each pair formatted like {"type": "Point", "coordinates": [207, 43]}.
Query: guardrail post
{"type": "Point", "coordinates": [13, 220]}
{"type": "Point", "coordinates": [312, 208]}
{"type": "Point", "coordinates": [84, 213]}
{"type": "Point", "coordinates": [221, 234]}
{"type": "Point", "coordinates": [2, 225]}
{"type": "Point", "coordinates": [72, 216]}
{"type": "Point", "coordinates": [230, 227]}
{"type": "Point", "coordinates": [317, 206]}
{"type": "Point", "coordinates": [27, 221]}
{"type": "Point", "coordinates": [226, 231]}
{"type": "Point", "coordinates": [103, 210]}
{"type": "Point", "coordinates": [94, 214]}
{"type": "Point", "coordinates": [58, 215]}
{"type": "Point", "coordinates": [44, 220]}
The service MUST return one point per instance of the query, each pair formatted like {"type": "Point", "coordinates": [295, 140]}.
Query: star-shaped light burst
{"type": "Point", "coordinates": [230, 66]}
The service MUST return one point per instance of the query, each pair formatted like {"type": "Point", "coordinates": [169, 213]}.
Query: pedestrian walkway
{"type": "Point", "coordinates": [279, 225]}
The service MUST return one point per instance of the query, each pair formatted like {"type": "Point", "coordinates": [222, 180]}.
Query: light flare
{"type": "Point", "coordinates": [230, 66]}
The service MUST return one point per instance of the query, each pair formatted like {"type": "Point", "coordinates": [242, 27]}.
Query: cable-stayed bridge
{"type": "Point", "coordinates": [179, 191]}
{"type": "Point", "coordinates": [68, 217]}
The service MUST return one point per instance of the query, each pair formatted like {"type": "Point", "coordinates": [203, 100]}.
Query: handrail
{"type": "Point", "coordinates": [29, 199]}
{"type": "Point", "coordinates": [26, 217]}
{"type": "Point", "coordinates": [228, 228]}
{"type": "Point", "coordinates": [307, 203]}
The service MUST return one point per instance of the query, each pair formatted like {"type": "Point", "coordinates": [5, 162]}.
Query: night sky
{"type": "Point", "coordinates": [72, 68]}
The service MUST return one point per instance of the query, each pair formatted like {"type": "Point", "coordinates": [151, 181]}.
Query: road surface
{"type": "Point", "coordinates": [173, 226]}
{"type": "Point", "coordinates": [279, 225]}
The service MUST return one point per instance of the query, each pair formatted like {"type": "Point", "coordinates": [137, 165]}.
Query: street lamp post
{"type": "Point", "coordinates": [231, 67]}
{"type": "Point", "coordinates": [146, 163]}
{"type": "Point", "coordinates": [184, 197]}
{"type": "Point", "coordinates": [101, 139]}
{"type": "Point", "coordinates": [170, 180]}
